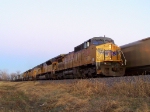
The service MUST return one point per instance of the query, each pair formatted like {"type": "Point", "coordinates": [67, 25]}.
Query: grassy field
{"type": "Point", "coordinates": [81, 96]}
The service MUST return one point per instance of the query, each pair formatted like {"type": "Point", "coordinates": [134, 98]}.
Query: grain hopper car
{"type": "Point", "coordinates": [138, 57]}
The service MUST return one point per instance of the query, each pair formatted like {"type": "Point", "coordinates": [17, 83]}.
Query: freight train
{"type": "Point", "coordinates": [138, 57]}
{"type": "Point", "coordinates": [98, 56]}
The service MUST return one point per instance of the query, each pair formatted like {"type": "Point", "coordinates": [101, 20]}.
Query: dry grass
{"type": "Point", "coordinates": [81, 96]}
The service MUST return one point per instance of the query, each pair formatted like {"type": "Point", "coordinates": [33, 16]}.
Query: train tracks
{"type": "Point", "coordinates": [108, 80]}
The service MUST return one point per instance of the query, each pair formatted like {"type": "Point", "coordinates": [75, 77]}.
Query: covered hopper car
{"type": "Point", "coordinates": [94, 57]}
{"type": "Point", "coordinates": [138, 57]}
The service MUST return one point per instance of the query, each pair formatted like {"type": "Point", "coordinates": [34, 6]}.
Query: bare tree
{"type": "Point", "coordinates": [4, 75]}
{"type": "Point", "coordinates": [13, 75]}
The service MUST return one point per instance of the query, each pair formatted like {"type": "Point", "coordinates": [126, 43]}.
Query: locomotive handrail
{"type": "Point", "coordinates": [123, 57]}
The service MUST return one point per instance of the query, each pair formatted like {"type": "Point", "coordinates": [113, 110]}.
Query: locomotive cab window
{"type": "Point", "coordinates": [98, 42]}
{"type": "Point", "coordinates": [87, 44]}
{"type": "Point", "coordinates": [109, 41]}
{"type": "Point", "coordinates": [101, 41]}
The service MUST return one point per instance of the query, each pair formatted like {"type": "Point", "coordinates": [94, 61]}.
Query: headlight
{"type": "Point", "coordinates": [110, 46]}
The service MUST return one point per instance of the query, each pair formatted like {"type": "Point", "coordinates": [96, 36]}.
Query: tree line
{"type": "Point", "coordinates": [5, 76]}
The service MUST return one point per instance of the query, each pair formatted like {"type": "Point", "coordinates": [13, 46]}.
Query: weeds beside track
{"type": "Point", "coordinates": [81, 96]}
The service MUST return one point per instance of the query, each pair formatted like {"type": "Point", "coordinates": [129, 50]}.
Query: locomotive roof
{"type": "Point", "coordinates": [134, 43]}
{"type": "Point", "coordinates": [28, 70]}
{"type": "Point", "coordinates": [55, 58]}
{"type": "Point", "coordinates": [102, 38]}
{"type": "Point", "coordinates": [81, 46]}
{"type": "Point", "coordinates": [50, 60]}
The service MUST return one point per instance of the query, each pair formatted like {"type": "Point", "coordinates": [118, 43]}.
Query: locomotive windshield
{"type": "Point", "coordinates": [99, 42]}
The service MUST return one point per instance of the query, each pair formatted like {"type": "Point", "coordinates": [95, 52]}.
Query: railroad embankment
{"type": "Point", "coordinates": [80, 96]}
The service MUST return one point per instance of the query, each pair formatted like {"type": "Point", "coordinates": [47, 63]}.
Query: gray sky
{"type": "Point", "coordinates": [33, 31]}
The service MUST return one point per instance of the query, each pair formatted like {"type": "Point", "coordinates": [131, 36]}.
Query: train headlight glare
{"type": "Point", "coordinates": [110, 46]}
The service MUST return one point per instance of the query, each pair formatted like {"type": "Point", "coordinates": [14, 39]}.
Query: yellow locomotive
{"type": "Point", "coordinates": [95, 57]}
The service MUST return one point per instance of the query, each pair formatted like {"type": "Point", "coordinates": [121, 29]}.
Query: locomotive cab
{"type": "Point", "coordinates": [104, 54]}
{"type": "Point", "coordinates": [109, 59]}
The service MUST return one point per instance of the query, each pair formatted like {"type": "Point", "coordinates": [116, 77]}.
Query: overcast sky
{"type": "Point", "coordinates": [33, 31]}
